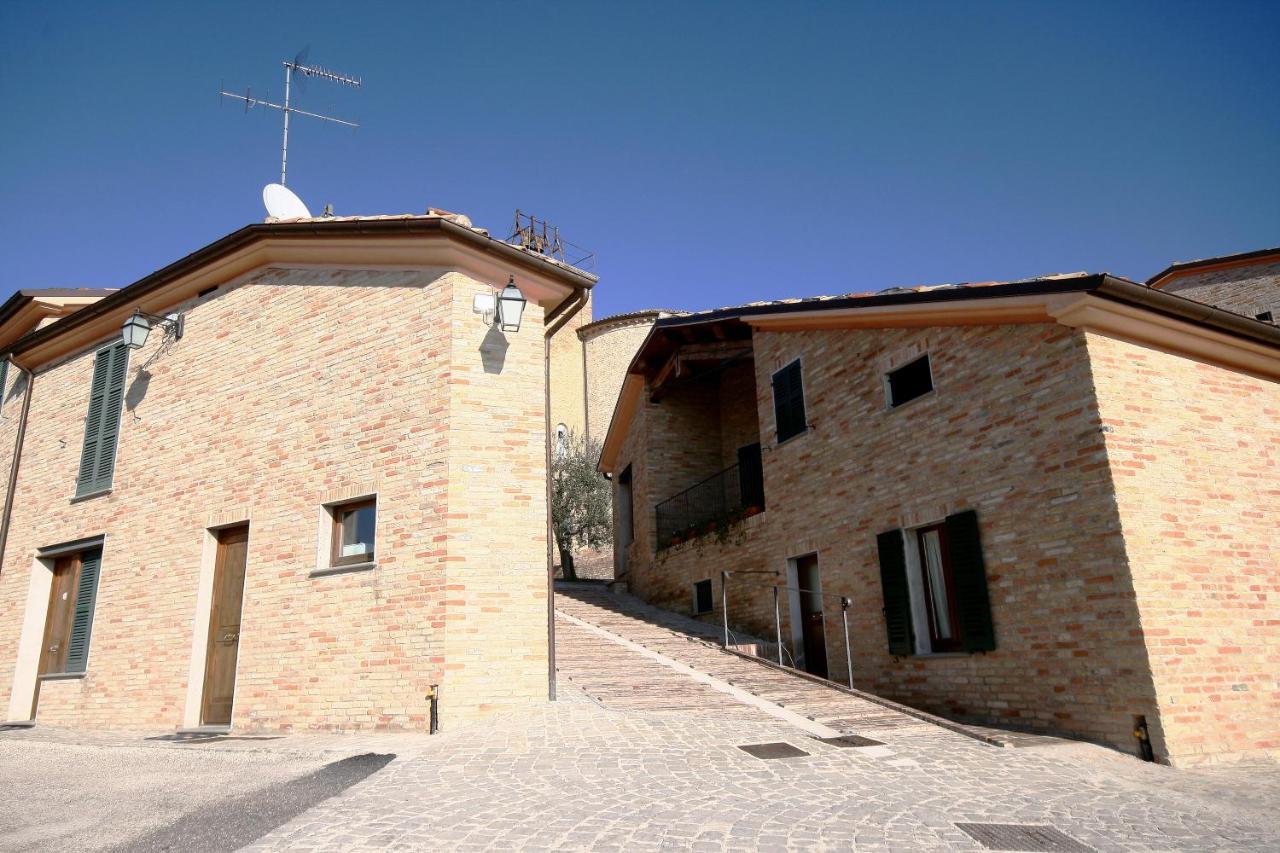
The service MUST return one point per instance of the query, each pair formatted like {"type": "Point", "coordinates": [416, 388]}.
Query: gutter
{"type": "Point", "coordinates": [1182, 308]}
{"type": "Point", "coordinates": [552, 323]}
{"type": "Point", "coordinates": [17, 458]}
{"type": "Point", "coordinates": [249, 234]}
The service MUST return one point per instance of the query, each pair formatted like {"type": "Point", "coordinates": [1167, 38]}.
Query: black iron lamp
{"type": "Point", "coordinates": [134, 330]}
{"type": "Point", "coordinates": [511, 304]}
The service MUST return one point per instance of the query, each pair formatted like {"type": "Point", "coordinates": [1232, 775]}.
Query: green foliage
{"type": "Point", "coordinates": [581, 499]}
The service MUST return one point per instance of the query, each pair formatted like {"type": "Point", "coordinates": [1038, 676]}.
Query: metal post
{"type": "Point", "coordinates": [848, 653]}
{"type": "Point", "coordinates": [724, 605]}
{"type": "Point", "coordinates": [284, 146]}
{"type": "Point", "coordinates": [777, 624]}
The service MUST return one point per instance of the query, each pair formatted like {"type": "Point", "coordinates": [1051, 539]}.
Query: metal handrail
{"type": "Point", "coordinates": [845, 604]}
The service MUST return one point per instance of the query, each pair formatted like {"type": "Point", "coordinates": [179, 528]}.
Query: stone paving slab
{"type": "Point", "coordinates": [611, 774]}
{"type": "Point", "coordinates": [576, 776]}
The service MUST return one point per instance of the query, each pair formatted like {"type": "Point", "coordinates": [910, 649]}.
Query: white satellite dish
{"type": "Point", "coordinates": [283, 203]}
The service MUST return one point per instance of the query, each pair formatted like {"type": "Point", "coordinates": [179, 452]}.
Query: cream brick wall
{"type": "Point", "coordinates": [609, 351]}
{"type": "Point", "coordinates": [568, 374]}
{"type": "Point", "coordinates": [290, 389]}
{"type": "Point", "coordinates": [1195, 455]}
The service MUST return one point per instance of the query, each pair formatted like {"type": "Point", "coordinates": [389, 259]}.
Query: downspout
{"type": "Point", "coordinates": [561, 314]}
{"type": "Point", "coordinates": [17, 457]}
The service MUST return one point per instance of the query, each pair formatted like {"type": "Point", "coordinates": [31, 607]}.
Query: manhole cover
{"type": "Point", "coordinates": [850, 740]}
{"type": "Point", "coordinates": [772, 750]}
{"type": "Point", "coordinates": [1023, 837]}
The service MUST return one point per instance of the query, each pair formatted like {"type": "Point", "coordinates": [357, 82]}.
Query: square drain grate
{"type": "Point", "coordinates": [772, 750]}
{"type": "Point", "coordinates": [850, 740]}
{"type": "Point", "coordinates": [1023, 837]}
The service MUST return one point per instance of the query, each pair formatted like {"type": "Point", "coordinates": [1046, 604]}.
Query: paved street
{"type": "Point", "coordinates": [642, 753]}
{"type": "Point", "coordinates": [639, 756]}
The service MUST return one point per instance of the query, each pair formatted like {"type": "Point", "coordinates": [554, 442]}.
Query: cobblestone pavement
{"type": "Point", "coordinates": [627, 771]}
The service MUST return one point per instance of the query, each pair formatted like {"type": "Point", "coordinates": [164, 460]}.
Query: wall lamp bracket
{"type": "Point", "coordinates": [134, 331]}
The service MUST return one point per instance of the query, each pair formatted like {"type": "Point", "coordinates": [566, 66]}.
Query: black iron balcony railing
{"type": "Point", "coordinates": [730, 494]}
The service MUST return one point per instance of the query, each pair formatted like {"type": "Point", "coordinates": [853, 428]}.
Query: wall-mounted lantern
{"type": "Point", "coordinates": [511, 304]}
{"type": "Point", "coordinates": [134, 330]}
{"type": "Point", "coordinates": [503, 309]}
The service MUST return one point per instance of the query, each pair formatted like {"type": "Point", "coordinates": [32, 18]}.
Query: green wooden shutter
{"type": "Point", "coordinates": [82, 621]}
{"type": "Point", "coordinates": [788, 401]}
{"type": "Point", "coordinates": [897, 596]}
{"type": "Point", "coordinates": [4, 379]}
{"type": "Point", "coordinates": [970, 574]}
{"type": "Point", "coordinates": [798, 420]}
{"type": "Point", "coordinates": [102, 424]}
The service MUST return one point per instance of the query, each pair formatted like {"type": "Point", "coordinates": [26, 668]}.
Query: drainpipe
{"type": "Point", "coordinates": [17, 457]}
{"type": "Point", "coordinates": [553, 322]}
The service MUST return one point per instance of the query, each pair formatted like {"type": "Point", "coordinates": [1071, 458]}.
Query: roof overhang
{"type": "Point", "coordinates": [1103, 304]}
{"type": "Point", "coordinates": [33, 309]}
{"type": "Point", "coordinates": [423, 242]}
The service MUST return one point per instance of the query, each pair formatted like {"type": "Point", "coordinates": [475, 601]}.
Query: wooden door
{"type": "Point", "coordinates": [57, 623]}
{"type": "Point", "coordinates": [811, 616]}
{"type": "Point", "coordinates": [224, 626]}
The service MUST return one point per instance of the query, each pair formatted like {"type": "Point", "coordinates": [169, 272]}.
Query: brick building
{"type": "Point", "coordinates": [320, 503]}
{"type": "Point", "coordinates": [1246, 283]}
{"type": "Point", "coordinates": [1051, 503]}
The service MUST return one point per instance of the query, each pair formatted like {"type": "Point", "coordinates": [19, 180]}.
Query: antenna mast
{"type": "Point", "coordinates": [298, 65]}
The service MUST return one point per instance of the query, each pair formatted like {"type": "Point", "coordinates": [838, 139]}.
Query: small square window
{"type": "Point", "coordinates": [353, 532]}
{"type": "Point", "coordinates": [908, 382]}
{"type": "Point", "coordinates": [1265, 316]}
{"type": "Point", "coordinates": [702, 597]}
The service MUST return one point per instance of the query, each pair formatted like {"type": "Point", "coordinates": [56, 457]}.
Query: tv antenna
{"type": "Point", "coordinates": [297, 65]}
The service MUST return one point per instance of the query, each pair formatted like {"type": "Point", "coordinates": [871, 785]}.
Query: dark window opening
{"type": "Point", "coordinates": [788, 402]}
{"type": "Point", "coordinates": [1265, 317]}
{"type": "Point", "coordinates": [910, 381]}
{"type": "Point", "coordinates": [702, 597]}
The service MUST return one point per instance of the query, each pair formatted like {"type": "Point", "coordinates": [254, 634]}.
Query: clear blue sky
{"type": "Point", "coordinates": [711, 153]}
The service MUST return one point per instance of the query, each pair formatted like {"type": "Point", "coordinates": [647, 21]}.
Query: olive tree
{"type": "Point", "coordinates": [581, 501]}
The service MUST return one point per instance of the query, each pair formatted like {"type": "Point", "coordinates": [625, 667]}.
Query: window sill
{"type": "Point", "coordinates": [62, 676]}
{"type": "Point", "coordinates": [342, 570]}
{"type": "Point", "coordinates": [791, 438]}
{"type": "Point", "coordinates": [90, 495]}
{"type": "Point", "coordinates": [926, 395]}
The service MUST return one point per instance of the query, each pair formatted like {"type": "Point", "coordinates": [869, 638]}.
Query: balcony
{"type": "Point", "coordinates": [721, 499]}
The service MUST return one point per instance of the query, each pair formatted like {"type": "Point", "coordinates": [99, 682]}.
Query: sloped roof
{"type": "Point", "coordinates": [1238, 259]}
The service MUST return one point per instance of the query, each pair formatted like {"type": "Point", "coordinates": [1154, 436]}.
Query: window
{"type": "Point", "coordinates": [353, 532]}
{"type": "Point", "coordinates": [1265, 316]}
{"type": "Point", "coordinates": [562, 440]}
{"type": "Point", "coordinates": [4, 379]}
{"type": "Point", "coordinates": [939, 588]}
{"type": "Point", "coordinates": [934, 584]}
{"type": "Point", "coordinates": [702, 598]}
{"type": "Point", "coordinates": [69, 619]}
{"type": "Point", "coordinates": [788, 402]}
{"type": "Point", "coordinates": [908, 382]}
{"type": "Point", "coordinates": [102, 424]}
